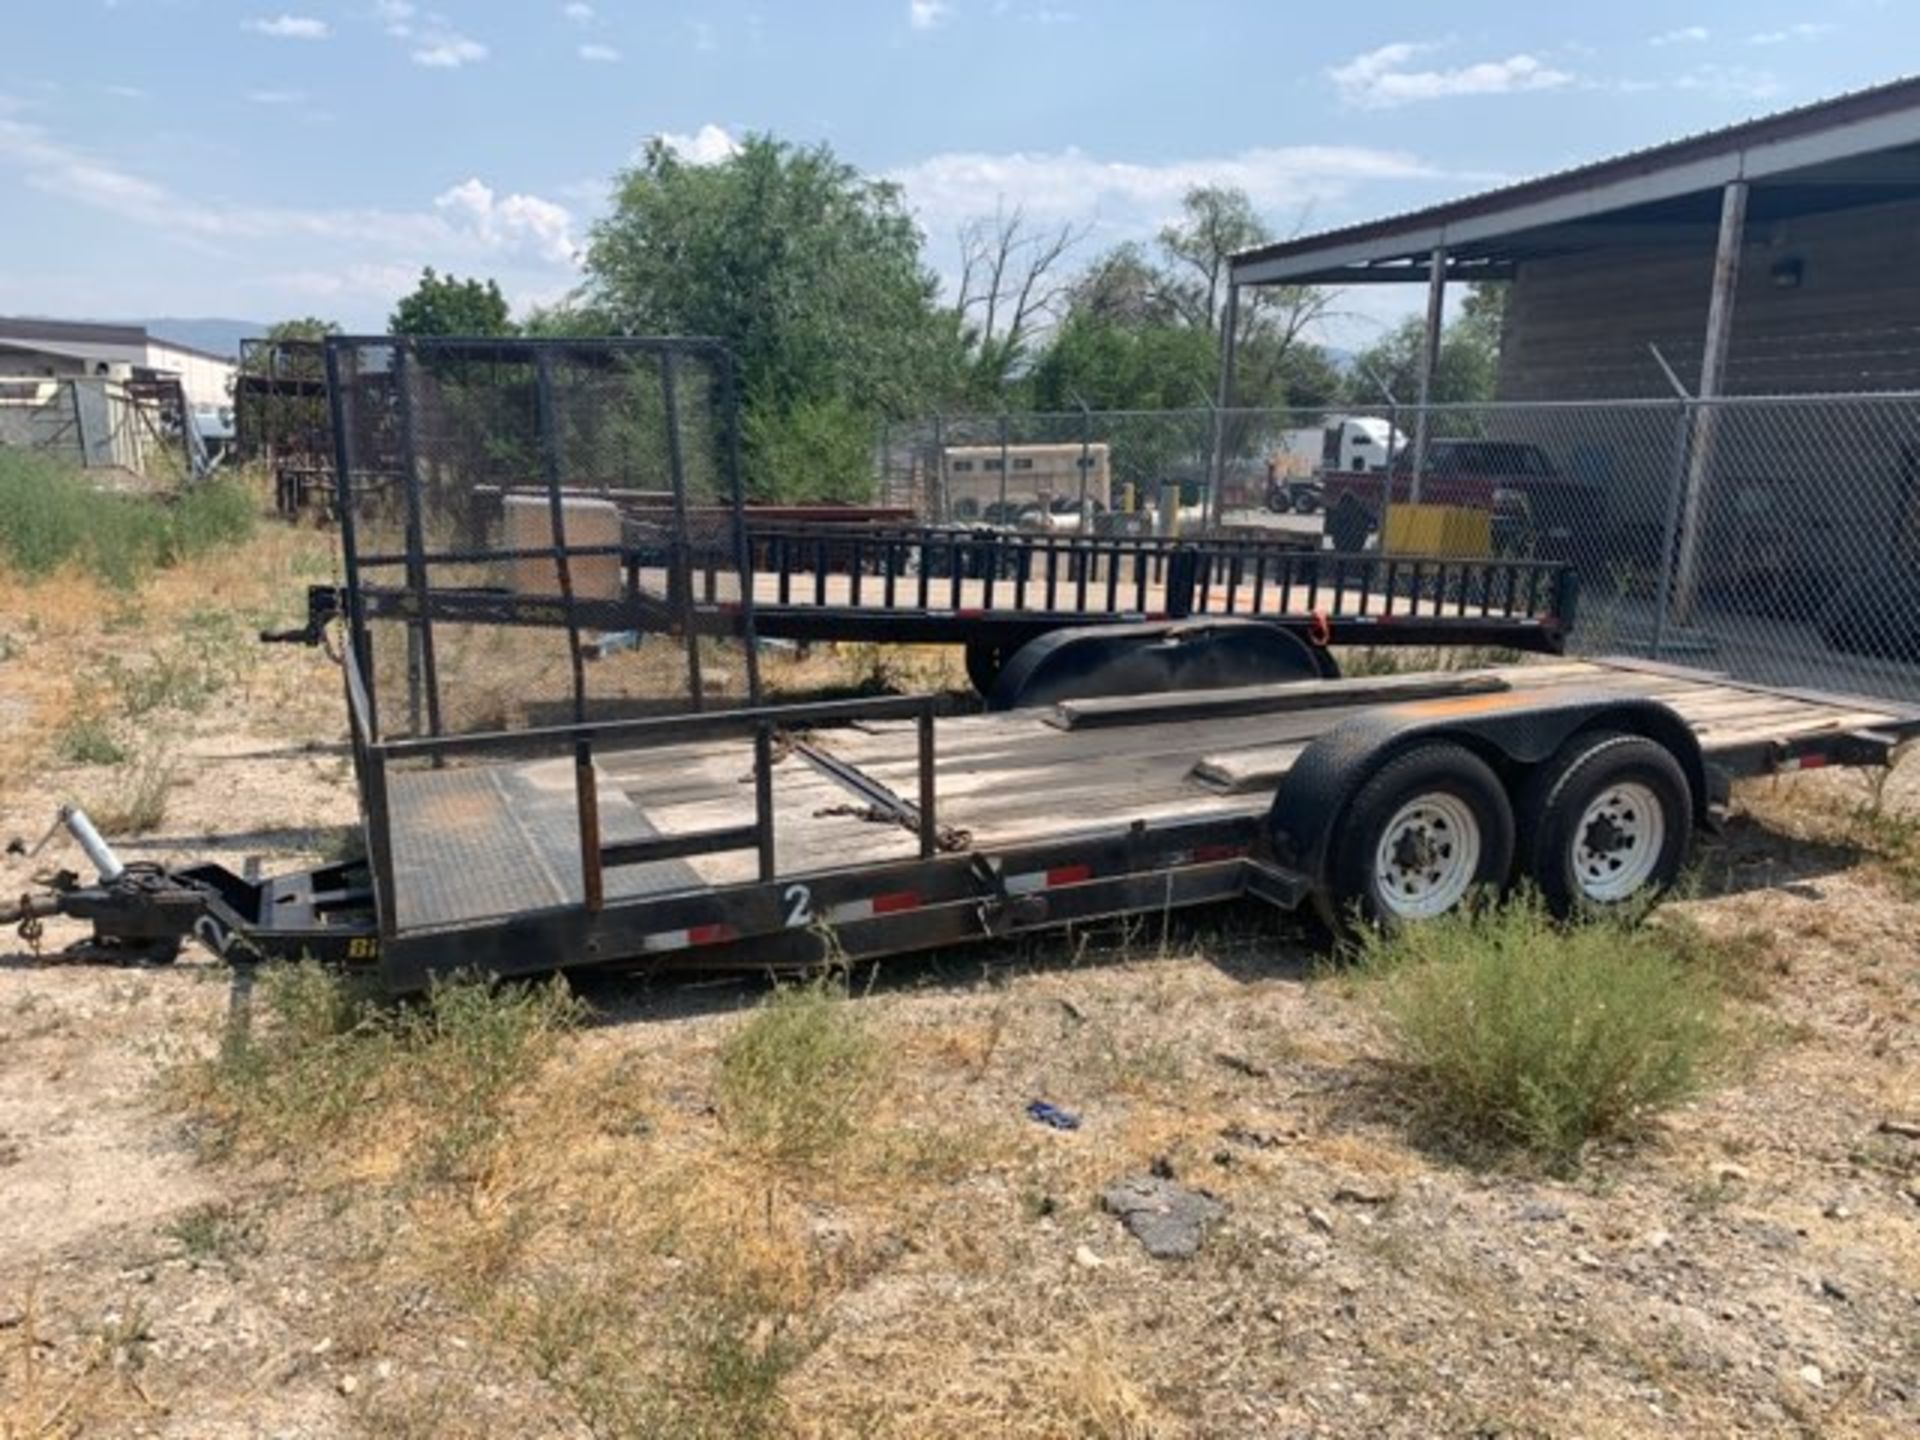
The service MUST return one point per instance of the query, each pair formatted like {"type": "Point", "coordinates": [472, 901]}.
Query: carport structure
{"type": "Point", "coordinates": [1817, 205]}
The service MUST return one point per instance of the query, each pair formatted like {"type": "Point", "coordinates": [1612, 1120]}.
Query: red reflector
{"type": "Point", "coordinates": [1204, 853]}
{"type": "Point", "coordinates": [1813, 762]}
{"type": "Point", "coordinates": [896, 900]}
{"type": "Point", "coordinates": [972, 614]}
{"type": "Point", "coordinates": [1069, 874]}
{"type": "Point", "coordinates": [709, 934]}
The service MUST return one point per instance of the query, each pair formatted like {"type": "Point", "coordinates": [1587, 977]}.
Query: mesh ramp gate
{"type": "Point", "coordinates": [521, 525]}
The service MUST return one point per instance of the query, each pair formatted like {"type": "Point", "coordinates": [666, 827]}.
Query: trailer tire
{"type": "Point", "coordinates": [1349, 523]}
{"type": "Point", "coordinates": [985, 660]}
{"type": "Point", "coordinates": [1607, 821]}
{"type": "Point", "coordinates": [1422, 834]}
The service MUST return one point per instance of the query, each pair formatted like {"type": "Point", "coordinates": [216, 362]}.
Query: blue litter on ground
{"type": "Point", "coordinates": [1053, 1115]}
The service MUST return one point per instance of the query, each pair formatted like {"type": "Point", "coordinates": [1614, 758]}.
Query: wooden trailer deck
{"type": "Point", "coordinates": [484, 841]}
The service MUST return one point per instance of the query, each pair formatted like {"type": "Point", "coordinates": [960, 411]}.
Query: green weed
{"type": "Point", "coordinates": [135, 803]}
{"type": "Point", "coordinates": [321, 1058]}
{"type": "Point", "coordinates": [1518, 1033]}
{"type": "Point", "coordinates": [51, 515]}
{"type": "Point", "coordinates": [792, 1076]}
{"type": "Point", "coordinates": [215, 1231]}
{"type": "Point", "coordinates": [209, 653]}
{"type": "Point", "coordinates": [87, 739]}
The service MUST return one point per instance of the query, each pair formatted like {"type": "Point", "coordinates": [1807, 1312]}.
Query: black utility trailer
{"type": "Point", "coordinates": [478, 454]}
{"type": "Point", "coordinates": [525, 809]}
{"type": "Point", "coordinates": [779, 836]}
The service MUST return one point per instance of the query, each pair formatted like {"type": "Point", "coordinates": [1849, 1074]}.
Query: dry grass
{"type": "Point", "coordinates": [1873, 813]}
{"type": "Point", "coordinates": [89, 668]}
{"type": "Point", "coordinates": [92, 1385]}
{"type": "Point", "coordinates": [133, 800]}
{"type": "Point", "coordinates": [819, 1214]}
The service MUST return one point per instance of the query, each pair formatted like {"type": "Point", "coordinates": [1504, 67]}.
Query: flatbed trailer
{"type": "Point", "coordinates": [775, 836]}
{"type": "Point", "coordinates": [492, 483]}
{"type": "Point", "coordinates": [781, 837]}
{"type": "Point", "coordinates": [991, 592]}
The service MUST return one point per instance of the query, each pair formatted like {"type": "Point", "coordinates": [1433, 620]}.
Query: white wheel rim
{"type": "Point", "coordinates": [1617, 843]}
{"type": "Point", "coordinates": [1427, 857]}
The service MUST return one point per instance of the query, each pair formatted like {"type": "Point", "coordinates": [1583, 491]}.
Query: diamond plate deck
{"type": "Point", "coordinates": [482, 842]}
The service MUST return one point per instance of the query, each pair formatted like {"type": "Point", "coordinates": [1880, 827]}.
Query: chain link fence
{"type": "Point", "coordinates": [1774, 538]}
{"type": "Point", "coordinates": [505, 507]}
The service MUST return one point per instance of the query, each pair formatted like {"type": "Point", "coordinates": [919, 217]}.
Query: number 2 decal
{"type": "Point", "coordinates": [212, 934]}
{"type": "Point", "coordinates": [799, 906]}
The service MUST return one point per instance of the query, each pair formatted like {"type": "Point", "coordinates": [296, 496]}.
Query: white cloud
{"type": "Point", "coordinates": [397, 16]}
{"type": "Point", "coordinates": [1050, 186]}
{"type": "Point", "coordinates": [578, 12]}
{"type": "Point", "coordinates": [468, 225]}
{"type": "Point", "coordinates": [447, 50]}
{"type": "Point", "coordinates": [126, 92]}
{"type": "Point", "coordinates": [601, 54]}
{"type": "Point", "coordinates": [1805, 30]}
{"type": "Point", "coordinates": [1740, 82]}
{"type": "Point", "coordinates": [512, 222]}
{"type": "Point", "coordinates": [705, 38]}
{"type": "Point", "coordinates": [708, 145]}
{"type": "Point", "coordinates": [1379, 79]}
{"type": "Point", "coordinates": [926, 14]}
{"type": "Point", "coordinates": [276, 97]}
{"type": "Point", "coordinates": [1685, 35]}
{"type": "Point", "coordinates": [431, 38]}
{"type": "Point", "coordinates": [290, 27]}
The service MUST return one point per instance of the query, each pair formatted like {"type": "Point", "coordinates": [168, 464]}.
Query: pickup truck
{"type": "Point", "coordinates": [1536, 510]}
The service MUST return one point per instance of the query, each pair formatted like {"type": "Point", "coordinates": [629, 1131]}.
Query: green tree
{"type": "Point", "coordinates": [1142, 329]}
{"type": "Point", "coordinates": [808, 271]}
{"type": "Point", "coordinates": [308, 327]}
{"type": "Point", "coordinates": [447, 305]}
{"type": "Point", "coordinates": [1465, 370]}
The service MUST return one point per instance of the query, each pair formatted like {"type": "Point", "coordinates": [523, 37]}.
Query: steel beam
{"type": "Point", "coordinates": [1713, 364]}
{"type": "Point", "coordinates": [1223, 399]}
{"type": "Point", "coordinates": [1429, 360]}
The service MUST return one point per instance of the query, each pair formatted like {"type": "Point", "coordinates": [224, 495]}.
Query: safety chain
{"type": "Point", "coordinates": [31, 928]}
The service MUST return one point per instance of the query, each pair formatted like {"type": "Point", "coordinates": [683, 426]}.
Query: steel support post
{"type": "Point", "coordinates": [1429, 361]}
{"type": "Point", "coordinates": [1706, 423]}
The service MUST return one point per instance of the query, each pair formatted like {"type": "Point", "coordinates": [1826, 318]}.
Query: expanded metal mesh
{"type": "Point", "coordinates": [522, 520]}
{"type": "Point", "coordinates": [1774, 538]}
{"type": "Point", "coordinates": [282, 420]}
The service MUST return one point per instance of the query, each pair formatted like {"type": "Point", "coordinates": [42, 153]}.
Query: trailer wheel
{"type": "Point", "coordinates": [1426, 830]}
{"type": "Point", "coordinates": [985, 660]}
{"type": "Point", "coordinates": [1607, 820]}
{"type": "Point", "coordinates": [1349, 522]}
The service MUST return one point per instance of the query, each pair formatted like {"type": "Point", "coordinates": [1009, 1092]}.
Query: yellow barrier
{"type": "Point", "coordinates": [1454, 530]}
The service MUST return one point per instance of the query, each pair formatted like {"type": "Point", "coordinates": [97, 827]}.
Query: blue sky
{"type": "Point", "coordinates": [208, 157]}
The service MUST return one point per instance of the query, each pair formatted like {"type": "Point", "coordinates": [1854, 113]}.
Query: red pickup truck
{"type": "Point", "coordinates": [1536, 510]}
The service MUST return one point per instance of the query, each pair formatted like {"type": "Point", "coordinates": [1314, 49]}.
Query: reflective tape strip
{"type": "Point", "coordinates": [1803, 762]}
{"type": "Point", "coordinates": [1032, 880]}
{"type": "Point", "coordinates": [891, 903]}
{"type": "Point", "coordinates": [687, 939]}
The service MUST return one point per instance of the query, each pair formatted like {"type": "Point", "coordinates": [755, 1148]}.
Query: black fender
{"type": "Point", "coordinates": [1154, 657]}
{"type": "Point", "coordinates": [1513, 730]}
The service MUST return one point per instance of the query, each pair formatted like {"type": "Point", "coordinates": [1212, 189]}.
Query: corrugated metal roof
{"type": "Point", "coordinates": [77, 332]}
{"type": "Point", "coordinates": [1873, 102]}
